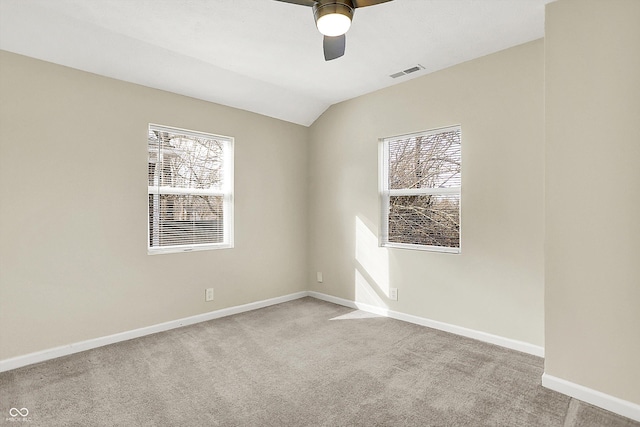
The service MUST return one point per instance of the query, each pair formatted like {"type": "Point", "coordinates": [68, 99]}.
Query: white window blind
{"type": "Point", "coordinates": [190, 190]}
{"type": "Point", "coordinates": [420, 188]}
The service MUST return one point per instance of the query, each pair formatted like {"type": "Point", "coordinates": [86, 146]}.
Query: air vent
{"type": "Point", "coordinates": [407, 71]}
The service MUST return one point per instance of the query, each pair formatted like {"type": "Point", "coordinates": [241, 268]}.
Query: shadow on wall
{"type": "Point", "coordinates": [371, 267]}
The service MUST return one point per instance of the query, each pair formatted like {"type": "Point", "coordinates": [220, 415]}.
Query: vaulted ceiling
{"type": "Point", "coordinates": [263, 56]}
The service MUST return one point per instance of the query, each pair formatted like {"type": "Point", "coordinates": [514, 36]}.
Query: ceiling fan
{"type": "Point", "coordinates": [333, 19]}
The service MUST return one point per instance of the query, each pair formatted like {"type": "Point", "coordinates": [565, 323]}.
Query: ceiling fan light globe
{"type": "Point", "coordinates": [333, 24]}
{"type": "Point", "coordinates": [333, 17]}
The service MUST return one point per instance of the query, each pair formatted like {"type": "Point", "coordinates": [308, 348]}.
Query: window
{"type": "Point", "coordinates": [420, 184]}
{"type": "Point", "coordinates": [190, 190]}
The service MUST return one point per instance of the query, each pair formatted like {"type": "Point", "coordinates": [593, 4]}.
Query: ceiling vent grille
{"type": "Point", "coordinates": [407, 71]}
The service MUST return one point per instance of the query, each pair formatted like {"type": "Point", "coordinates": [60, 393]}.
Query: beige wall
{"type": "Point", "coordinates": [592, 250]}
{"type": "Point", "coordinates": [496, 284]}
{"type": "Point", "coordinates": [73, 210]}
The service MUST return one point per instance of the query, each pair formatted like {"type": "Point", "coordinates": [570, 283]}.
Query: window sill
{"type": "Point", "coordinates": [421, 248]}
{"type": "Point", "coordinates": [179, 249]}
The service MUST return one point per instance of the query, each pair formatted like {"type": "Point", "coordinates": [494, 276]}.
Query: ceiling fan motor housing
{"type": "Point", "coordinates": [326, 7]}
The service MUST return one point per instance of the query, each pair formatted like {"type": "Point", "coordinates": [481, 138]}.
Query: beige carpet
{"type": "Point", "coordinates": [302, 363]}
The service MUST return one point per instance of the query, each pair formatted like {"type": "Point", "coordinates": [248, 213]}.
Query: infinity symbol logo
{"type": "Point", "coordinates": [14, 412]}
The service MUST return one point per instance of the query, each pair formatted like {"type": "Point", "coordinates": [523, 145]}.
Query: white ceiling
{"type": "Point", "coordinates": [262, 55]}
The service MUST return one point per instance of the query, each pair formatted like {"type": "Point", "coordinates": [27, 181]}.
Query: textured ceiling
{"type": "Point", "coordinates": [262, 55]}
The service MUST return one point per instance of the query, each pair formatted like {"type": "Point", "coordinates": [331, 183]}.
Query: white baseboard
{"type": "Point", "coordinates": [332, 299]}
{"type": "Point", "coordinates": [65, 350]}
{"type": "Point", "coordinates": [512, 344]}
{"type": "Point", "coordinates": [594, 397]}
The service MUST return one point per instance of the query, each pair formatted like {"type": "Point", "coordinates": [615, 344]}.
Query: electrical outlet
{"type": "Point", "coordinates": [208, 294]}
{"type": "Point", "coordinates": [393, 294]}
{"type": "Point", "coordinates": [319, 276]}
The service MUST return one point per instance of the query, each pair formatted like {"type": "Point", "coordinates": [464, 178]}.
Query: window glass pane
{"type": "Point", "coordinates": [185, 220]}
{"type": "Point", "coordinates": [425, 161]}
{"type": "Point", "coordinates": [425, 220]}
{"type": "Point", "coordinates": [185, 161]}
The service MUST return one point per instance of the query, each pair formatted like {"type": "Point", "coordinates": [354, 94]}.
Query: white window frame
{"type": "Point", "coordinates": [226, 191]}
{"type": "Point", "coordinates": [385, 194]}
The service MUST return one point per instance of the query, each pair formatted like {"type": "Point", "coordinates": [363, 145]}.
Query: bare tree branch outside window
{"type": "Point", "coordinates": [422, 188]}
